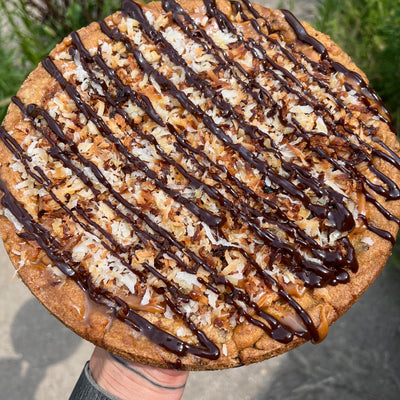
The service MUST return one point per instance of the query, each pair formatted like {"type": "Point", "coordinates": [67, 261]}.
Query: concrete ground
{"type": "Point", "coordinates": [40, 359]}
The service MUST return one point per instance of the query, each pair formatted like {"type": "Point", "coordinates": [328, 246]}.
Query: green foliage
{"type": "Point", "coordinates": [11, 75]}
{"type": "Point", "coordinates": [368, 30]}
{"type": "Point", "coordinates": [394, 260]}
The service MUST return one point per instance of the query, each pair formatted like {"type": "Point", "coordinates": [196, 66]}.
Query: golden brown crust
{"type": "Point", "coordinates": [247, 344]}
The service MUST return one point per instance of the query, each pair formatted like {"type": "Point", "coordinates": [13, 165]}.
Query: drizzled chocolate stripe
{"type": "Point", "coordinates": [276, 331]}
{"type": "Point", "coordinates": [302, 35]}
{"type": "Point", "coordinates": [316, 274]}
{"type": "Point", "coordinates": [50, 245]}
{"type": "Point", "coordinates": [193, 181]}
{"type": "Point", "coordinates": [226, 109]}
{"type": "Point", "coordinates": [135, 12]}
{"type": "Point", "coordinates": [177, 11]}
{"type": "Point", "coordinates": [328, 258]}
{"type": "Point", "coordinates": [367, 91]}
{"type": "Point", "coordinates": [392, 191]}
{"type": "Point", "coordinates": [337, 213]}
{"type": "Point", "coordinates": [197, 34]}
{"type": "Point", "coordinates": [35, 231]}
{"type": "Point", "coordinates": [33, 111]}
{"type": "Point", "coordinates": [204, 215]}
{"type": "Point", "coordinates": [171, 5]}
{"type": "Point", "coordinates": [187, 104]}
{"type": "Point", "coordinates": [129, 316]}
{"type": "Point", "coordinates": [323, 85]}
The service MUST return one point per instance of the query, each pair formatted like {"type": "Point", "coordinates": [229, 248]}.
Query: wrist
{"type": "Point", "coordinates": [128, 380]}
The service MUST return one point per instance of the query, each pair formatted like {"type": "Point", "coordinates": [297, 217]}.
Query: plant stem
{"type": "Point", "coordinates": [5, 102]}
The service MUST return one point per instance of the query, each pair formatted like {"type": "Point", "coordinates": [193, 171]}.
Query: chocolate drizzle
{"type": "Point", "coordinates": [325, 265]}
{"type": "Point", "coordinates": [367, 91]}
{"type": "Point", "coordinates": [266, 236]}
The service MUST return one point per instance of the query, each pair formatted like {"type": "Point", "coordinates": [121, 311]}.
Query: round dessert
{"type": "Point", "coordinates": [198, 184]}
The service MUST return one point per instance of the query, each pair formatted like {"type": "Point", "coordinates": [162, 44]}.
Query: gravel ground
{"type": "Point", "coordinates": [40, 359]}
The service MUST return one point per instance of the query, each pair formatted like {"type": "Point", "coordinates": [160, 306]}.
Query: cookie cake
{"type": "Point", "coordinates": [198, 184]}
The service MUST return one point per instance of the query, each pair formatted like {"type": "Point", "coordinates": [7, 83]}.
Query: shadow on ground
{"type": "Point", "coordinates": [40, 341]}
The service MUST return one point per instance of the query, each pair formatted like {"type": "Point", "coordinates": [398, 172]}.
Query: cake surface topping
{"type": "Point", "coordinates": [214, 175]}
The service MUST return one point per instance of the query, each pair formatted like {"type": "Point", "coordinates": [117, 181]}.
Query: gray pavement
{"type": "Point", "coordinates": [40, 359]}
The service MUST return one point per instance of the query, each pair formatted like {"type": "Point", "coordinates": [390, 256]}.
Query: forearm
{"type": "Point", "coordinates": [129, 381]}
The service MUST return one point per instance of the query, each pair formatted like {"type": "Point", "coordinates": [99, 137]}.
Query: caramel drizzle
{"type": "Point", "coordinates": [124, 312]}
{"type": "Point", "coordinates": [243, 210]}
{"type": "Point", "coordinates": [277, 330]}
{"type": "Point", "coordinates": [340, 215]}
